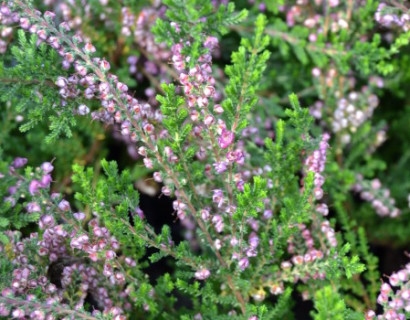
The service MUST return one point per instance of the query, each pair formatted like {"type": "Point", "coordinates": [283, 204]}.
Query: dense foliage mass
{"type": "Point", "coordinates": [277, 133]}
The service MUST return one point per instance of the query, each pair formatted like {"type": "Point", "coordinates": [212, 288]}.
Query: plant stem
{"type": "Point", "coordinates": [38, 306]}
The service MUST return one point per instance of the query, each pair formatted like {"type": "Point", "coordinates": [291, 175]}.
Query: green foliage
{"type": "Point", "coordinates": [274, 242]}
{"type": "Point", "coordinates": [114, 199]}
{"type": "Point", "coordinates": [28, 83]}
{"type": "Point", "coordinates": [282, 156]}
{"type": "Point", "coordinates": [14, 216]}
{"type": "Point", "coordinates": [187, 14]}
{"type": "Point", "coordinates": [328, 305]}
{"type": "Point", "coordinates": [251, 198]}
{"type": "Point", "coordinates": [245, 76]}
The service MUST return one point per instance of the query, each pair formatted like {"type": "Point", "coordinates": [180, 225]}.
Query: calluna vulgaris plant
{"type": "Point", "coordinates": [256, 202]}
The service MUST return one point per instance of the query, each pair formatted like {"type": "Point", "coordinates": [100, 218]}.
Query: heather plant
{"type": "Point", "coordinates": [275, 134]}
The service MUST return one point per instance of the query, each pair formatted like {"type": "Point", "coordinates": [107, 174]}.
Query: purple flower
{"type": "Point", "coordinates": [17, 313]}
{"type": "Point", "coordinates": [322, 209]}
{"type": "Point", "coordinates": [139, 213]}
{"type": "Point", "coordinates": [226, 138]}
{"type": "Point", "coordinates": [46, 221]}
{"type": "Point", "coordinates": [218, 109]}
{"type": "Point", "coordinates": [240, 185]}
{"type": "Point", "coordinates": [33, 207]}
{"type": "Point", "coordinates": [209, 120]}
{"type": "Point", "coordinates": [34, 186]}
{"type": "Point", "coordinates": [47, 167]}
{"type": "Point", "coordinates": [218, 223]}
{"type": "Point", "coordinates": [202, 274]}
{"type": "Point", "coordinates": [64, 205]}
{"type": "Point", "coordinates": [243, 263]}
{"type": "Point", "coordinates": [157, 177]}
{"type": "Point", "coordinates": [148, 163]}
{"type": "Point", "coordinates": [61, 82]}
{"type": "Point", "coordinates": [267, 214]}
{"type": "Point", "coordinates": [211, 42]}
{"type": "Point", "coordinates": [236, 156]}
{"type": "Point", "coordinates": [4, 311]}
{"type": "Point", "coordinates": [11, 200]}
{"type": "Point", "coordinates": [110, 254]}
{"type": "Point", "coordinates": [166, 191]}
{"type": "Point", "coordinates": [253, 240]}
{"type": "Point", "coordinates": [83, 110]}
{"type": "Point", "coordinates": [205, 215]}
{"type": "Point", "coordinates": [19, 162]}
{"type": "Point", "coordinates": [45, 181]}
{"type": "Point", "coordinates": [220, 166]}
{"type": "Point", "coordinates": [218, 197]}
{"type": "Point", "coordinates": [79, 216]}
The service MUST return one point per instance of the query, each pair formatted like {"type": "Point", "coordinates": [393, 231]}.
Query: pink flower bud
{"type": "Point", "coordinates": [110, 254]}
{"type": "Point", "coordinates": [122, 87]}
{"type": "Point", "coordinates": [209, 91]}
{"type": "Point", "coordinates": [24, 23]}
{"type": "Point", "coordinates": [370, 315]}
{"type": "Point", "coordinates": [218, 109]}
{"type": "Point", "coordinates": [17, 313]}
{"type": "Point", "coordinates": [166, 191]}
{"type": "Point", "coordinates": [168, 151]}
{"type": "Point", "coordinates": [33, 207]}
{"type": "Point", "coordinates": [209, 120]}
{"type": "Point", "coordinates": [148, 163]}
{"type": "Point", "coordinates": [64, 205]}
{"type": "Point", "coordinates": [81, 70]}
{"type": "Point", "coordinates": [42, 34]}
{"type": "Point", "coordinates": [318, 193]}
{"type": "Point", "coordinates": [205, 215]}
{"type": "Point", "coordinates": [243, 263]}
{"type": "Point", "coordinates": [89, 48]}
{"type": "Point", "coordinates": [34, 186]}
{"type": "Point", "coordinates": [202, 102]}
{"type": "Point", "coordinates": [316, 72]}
{"type": "Point", "coordinates": [83, 110]}
{"type": "Point", "coordinates": [79, 216]}
{"type": "Point", "coordinates": [226, 138]}
{"type": "Point", "coordinates": [149, 128]}
{"type": "Point", "coordinates": [142, 151]}
{"type": "Point", "coordinates": [183, 78]}
{"type": "Point", "coordinates": [49, 14]}
{"type": "Point", "coordinates": [61, 82]}
{"type": "Point", "coordinates": [202, 274]}
{"type": "Point", "coordinates": [157, 177]}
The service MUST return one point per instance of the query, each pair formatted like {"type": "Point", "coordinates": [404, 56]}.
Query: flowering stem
{"type": "Point", "coordinates": [153, 244]}
{"type": "Point", "coordinates": [242, 227]}
{"type": "Point", "coordinates": [39, 306]}
{"type": "Point", "coordinates": [227, 185]}
{"type": "Point", "coordinates": [102, 77]}
{"type": "Point", "coordinates": [191, 182]}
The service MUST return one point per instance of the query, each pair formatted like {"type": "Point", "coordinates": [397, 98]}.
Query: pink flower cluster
{"type": "Point", "coordinates": [353, 112]}
{"type": "Point", "coordinates": [390, 18]}
{"type": "Point", "coordinates": [379, 197]}
{"type": "Point", "coordinates": [29, 279]}
{"type": "Point", "coordinates": [348, 114]}
{"type": "Point", "coordinates": [316, 163]}
{"type": "Point", "coordinates": [40, 180]}
{"type": "Point", "coordinates": [394, 297]}
{"type": "Point", "coordinates": [302, 13]}
{"type": "Point", "coordinates": [6, 32]}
